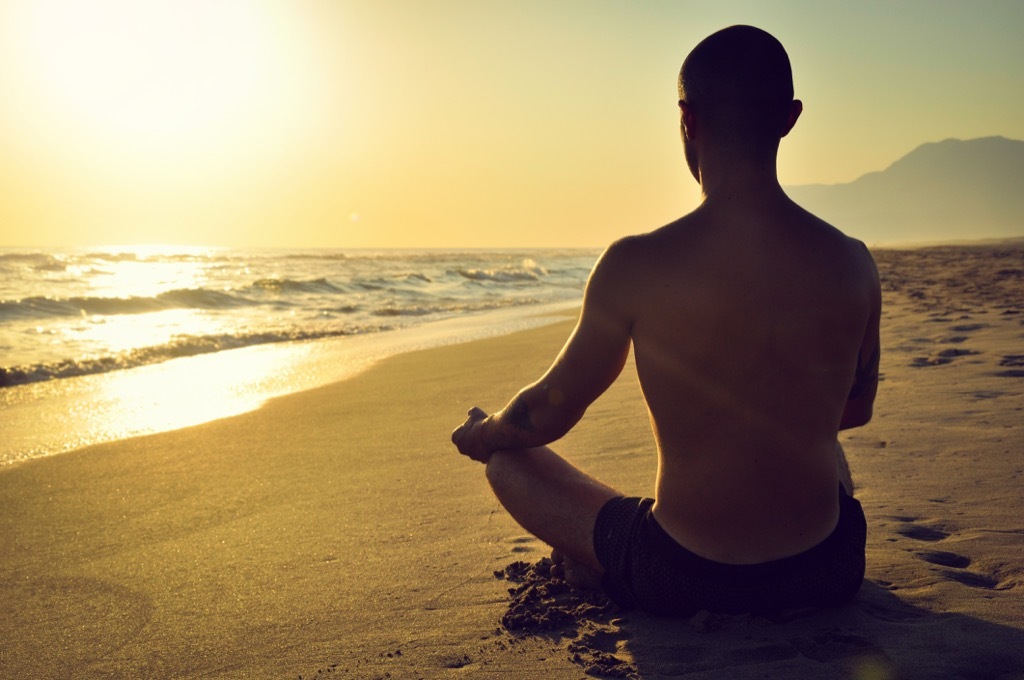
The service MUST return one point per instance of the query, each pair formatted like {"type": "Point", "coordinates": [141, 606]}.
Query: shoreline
{"type": "Point", "coordinates": [117, 405]}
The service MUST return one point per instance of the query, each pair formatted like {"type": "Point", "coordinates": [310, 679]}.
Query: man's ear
{"type": "Point", "coordinates": [687, 120]}
{"type": "Point", "coordinates": [795, 109]}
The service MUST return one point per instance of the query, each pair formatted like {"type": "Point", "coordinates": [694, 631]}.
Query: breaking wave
{"type": "Point", "coordinates": [66, 313]}
{"type": "Point", "coordinates": [179, 347]}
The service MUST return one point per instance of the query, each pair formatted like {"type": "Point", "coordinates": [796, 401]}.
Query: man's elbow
{"type": "Point", "coordinates": [856, 415]}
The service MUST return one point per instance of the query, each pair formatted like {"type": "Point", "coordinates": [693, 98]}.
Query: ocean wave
{"type": "Point", "coordinates": [46, 315]}
{"type": "Point", "coordinates": [448, 307]}
{"type": "Point", "coordinates": [326, 256]}
{"type": "Point", "coordinates": [184, 254]}
{"type": "Point", "coordinates": [529, 271]}
{"type": "Point", "coordinates": [400, 282]}
{"type": "Point", "coordinates": [441, 257]}
{"type": "Point", "coordinates": [41, 262]}
{"type": "Point", "coordinates": [412, 285]}
{"type": "Point", "coordinates": [194, 298]}
{"type": "Point", "coordinates": [184, 346]}
{"type": "Point", "coordinates": [64, 260]}
{"type": "Point", "coordinates": [38, 259]}
{"type": "Point", "coordinates": [406, 311]}
{"type": "Point", "coordinates": [321, 285]}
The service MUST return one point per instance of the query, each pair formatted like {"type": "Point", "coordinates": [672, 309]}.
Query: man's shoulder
{"type": "Point", "coordinates": [634, 260]}
{"type": "Point", "coordinates": [844, 256]}
{"type": "Point", "coordinates": [830, 231]}
{"type": "Point", "coordinates": [853, 250]}
{"type": "Point", "coordinates": [628, 261]}
{"type": "Point", "coordinates": [622, 251]}
{"type": "Point", "coordinates": [657, 240]}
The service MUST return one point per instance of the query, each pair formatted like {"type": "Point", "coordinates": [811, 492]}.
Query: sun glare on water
{"type": "Point", "coordinates": [191, 391]}
{"type": "Point", "coordinates": [145, 273]}
{"type": "Point", "coordinates": [160, 396]}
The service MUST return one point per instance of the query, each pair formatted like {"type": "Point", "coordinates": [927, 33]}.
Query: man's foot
{"type": "Point", "coordinates": [572, 572]}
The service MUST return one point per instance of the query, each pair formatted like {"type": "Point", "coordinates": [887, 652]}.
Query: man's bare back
{"type": "Point", "coordinates": [746, 324]}
{"type": "Point", "coordinates": [755, 330]}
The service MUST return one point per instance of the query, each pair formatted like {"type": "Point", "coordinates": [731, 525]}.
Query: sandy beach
{"type": "Point", "coordinates": [336, 532]}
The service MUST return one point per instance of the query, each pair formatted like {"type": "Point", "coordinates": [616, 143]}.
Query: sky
{"type": "Point", "coordinates": [444, 123]}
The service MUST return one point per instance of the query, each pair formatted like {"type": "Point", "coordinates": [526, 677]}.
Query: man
{"type": "Point", "coordinates": [755, 331]}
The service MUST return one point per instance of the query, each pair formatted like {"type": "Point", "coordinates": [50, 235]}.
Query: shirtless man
{"type": "Point", "coordinates": [755, 331]}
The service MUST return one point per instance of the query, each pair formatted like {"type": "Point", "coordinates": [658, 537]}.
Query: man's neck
{"type": "Point", "coordinates": [731, 178]}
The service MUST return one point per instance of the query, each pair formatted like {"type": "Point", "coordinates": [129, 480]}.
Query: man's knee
{"type": "Point", "coordinates": [517, 470]}
{"type": "Point", "coordinates": [499, 469]}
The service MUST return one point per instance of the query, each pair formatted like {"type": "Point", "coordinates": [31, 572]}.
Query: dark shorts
{"type": "Point", "coordinates": [647, 569]}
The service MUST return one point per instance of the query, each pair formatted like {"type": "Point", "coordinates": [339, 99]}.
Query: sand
{"type": "Point", "coordinates": [336, 532]}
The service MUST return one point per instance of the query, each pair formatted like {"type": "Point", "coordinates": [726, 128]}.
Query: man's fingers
{"type": "Point", "coordinates": [474, 416]}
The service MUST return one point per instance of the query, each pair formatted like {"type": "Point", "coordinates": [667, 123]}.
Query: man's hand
{"type": "Point", "coordinates": [468, 436]}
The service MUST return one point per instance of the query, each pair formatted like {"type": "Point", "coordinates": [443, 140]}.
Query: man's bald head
{"type": "Point", "coordinates": [739, 84]}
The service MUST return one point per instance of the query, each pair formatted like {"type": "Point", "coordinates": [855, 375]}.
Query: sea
{"type": "Point", "coordinates": [106, 343]}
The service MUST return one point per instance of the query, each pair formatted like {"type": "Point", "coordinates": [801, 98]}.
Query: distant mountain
{"type": "Point", "coordinates": [943, 191]}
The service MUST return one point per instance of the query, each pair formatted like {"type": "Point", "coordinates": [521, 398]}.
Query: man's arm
{"type": "Point", "coordinates": [588, 364]}
{"type": "Point", "coordinates": [860, 403]}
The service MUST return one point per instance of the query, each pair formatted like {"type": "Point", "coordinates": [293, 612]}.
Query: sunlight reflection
{"type": "Point", "coordinates": [190, 391]}
{"type": "Point", "coordinates": [147, 271]}
{"type": "Point", "coordinates": [134, 299]}
{"type": "Point", "coordinates": [124, 333]}
{"type": "Point", "coordinates": [159, 397]}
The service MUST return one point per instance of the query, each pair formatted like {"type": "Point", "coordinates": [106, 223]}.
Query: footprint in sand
{"type": "Point", "coordinates": [1015, 365]}
{"type": "Point", "coordinates": [981, 395]}
{"type": "Point", "coordinates": [945, 559]}
{"type": "Point", "coordinates": [972, 579]}
{"type": "Point", "coordinates": [924, 362]}
{"type": "Point", "coordinates": [955, 352]}
{"type": "Point", "coordinates": [523, 544]}
{"type": "Point", "coordinates": [946, 356]}
{"type": "Point", "coordinates": [920, 533]}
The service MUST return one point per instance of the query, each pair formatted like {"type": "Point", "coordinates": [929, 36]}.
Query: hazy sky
{"type": "Point", "coordinates": [444, 123]}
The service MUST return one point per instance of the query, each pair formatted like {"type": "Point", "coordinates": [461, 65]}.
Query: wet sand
{"type": "Point", "coordinates": [337, 532]}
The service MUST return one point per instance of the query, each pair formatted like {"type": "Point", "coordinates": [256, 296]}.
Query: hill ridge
{"type": "Point", "coordinates": [949, 189]}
